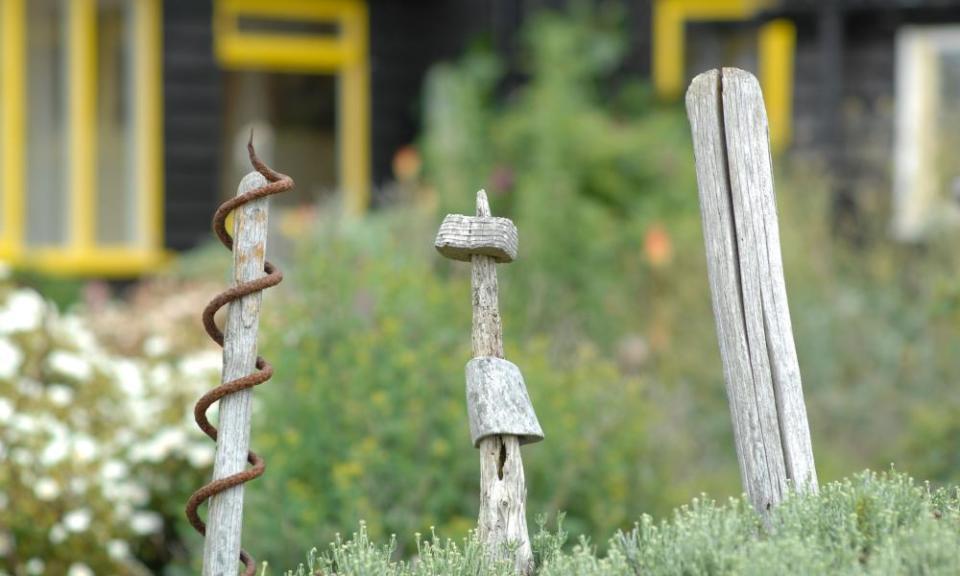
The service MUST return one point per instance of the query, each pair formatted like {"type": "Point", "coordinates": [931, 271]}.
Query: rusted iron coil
{"type": "Point", "coordinates": [277, 183]}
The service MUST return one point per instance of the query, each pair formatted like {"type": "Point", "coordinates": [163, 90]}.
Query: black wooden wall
{"type": "Point", "coordinates": [192, 95]}
{"type": "Point", "coordinates": [844, 101]}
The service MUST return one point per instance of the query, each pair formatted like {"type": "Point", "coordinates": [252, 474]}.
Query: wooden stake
{"type": "Point", "coordinates": [221, 549]}
{"type": "Point", "coordinates": [503, 489]}
{"type": "Point", "coordinates": [742, 238]}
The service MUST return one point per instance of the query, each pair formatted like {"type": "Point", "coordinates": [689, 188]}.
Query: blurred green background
{"type": "Point", "coordinates": [607, 313]}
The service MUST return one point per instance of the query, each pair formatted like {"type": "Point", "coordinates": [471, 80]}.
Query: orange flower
{"type": "Point", "coordinates": [657, 246]}
{"type": "Point", "coordinates": [406, 164]}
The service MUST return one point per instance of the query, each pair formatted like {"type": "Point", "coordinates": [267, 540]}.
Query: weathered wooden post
{"type": "Point", "coordinates": [738, 208]}
{"type": "Point", "coordinates": [242, 370]}
{"type": "Point", "coordinates": [500, 412]}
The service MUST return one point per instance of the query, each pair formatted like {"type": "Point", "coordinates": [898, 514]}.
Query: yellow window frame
{"type": "Point", "coordinates": [775, 48]}
{"type": "Point", "coordinates": [345, 55]}
{"type": "Point", "coordinates": [81, 255]}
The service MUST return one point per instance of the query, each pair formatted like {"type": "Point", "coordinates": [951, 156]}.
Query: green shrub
{"type": "Point", "coordinates": [583, 168]}
{"type": "Point", "coordinates": [366, 416]}
{"type": "Point", "coordinates": [870, 524]}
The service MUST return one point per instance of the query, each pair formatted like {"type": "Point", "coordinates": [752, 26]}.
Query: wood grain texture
{"type": "Point", "coordinates": [498, 403]}
{"type": "Point", "coordinates": [755, 204]}
{"type": "Point", "coordinates": [503, 489]}
{"type": "Point", "coordinates": [745, 271]}
{"type": "Point", "coordinates": [460, 237]}
{"type": "Point", "coordinates": [221, 549]}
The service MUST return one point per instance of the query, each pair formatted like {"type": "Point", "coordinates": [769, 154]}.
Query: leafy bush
{"type": "Point", "coordinates": [94, 445]}
{"type": "Point", "coordinates": [869, 524]}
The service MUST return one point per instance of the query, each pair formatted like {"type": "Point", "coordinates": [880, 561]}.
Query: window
{"type": "Point", "coordinates": [926, 190]}
{"type": "Point", "coordinates": [80, 135]}
{"type": "Point", "coordinates": [258, 41]}
{"type": "Point", "coordinates": [294, 120]}
{"type": "Point", "coordinates": [769, 49]}
{"type": "Point", "coordinates": [46, 111]}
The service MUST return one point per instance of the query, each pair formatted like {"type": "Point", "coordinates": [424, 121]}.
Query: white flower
{"type": "Point", "coordinates": [85, 448]}
{"type": "Point", "coordinates": [118, 549]}
{"type": "Point", "coordinates": [35, 566]}
{"type": "Point", "coordinates": [200, 455]}
{"type": "Point", "coordinates": [60, 394]}
{"type": "Point", "coordinates": [130, 377]}
{"type": "Point", "coordinates": [46, 489]}
{"type": "Point", "coordinates": [29, 387]}
{"type": "Point", "coordinates": [161, 375]}
{"type": "Point", "coordinates": [70, 364]}
{"type": "Point", "coordinates": [156, 346]}
{"type": "Point", "coordinates": [202, 365]}
{"type": "Point", "coordinates": [58, 534]}
{"type": "Point", "coordinates": [55, 451]}
{"type": "Point", "coordinates": [146, 522]}
{"type": "Point", "coordinates": [10, 359]}
{"type": "Point", "coordinates": [22, 312]}
{"type": "Point", "coordinates": [122, 511]}
{"type": "Point", "coordinates": [72, 329]}
{"type": "Point", "coordinates": [160, 446]}
{"type": "Point", "coordinates": [22, 457]}
{"type": "Point", "coordinates": [125, 494]}
{"type": "Point", "coordinates": [78, 485]}
{"type": "Point", "coordinates": [79, 569]}
{"type": "Point", "coordinates": [113, 470]}
{"type": "Point", "coordinates": [77, 520]}
{"type": "Point", "coordinates": [6, 410]}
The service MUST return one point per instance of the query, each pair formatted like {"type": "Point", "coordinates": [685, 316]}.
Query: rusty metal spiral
{"type": "Point", "coordinates": [277, 183]}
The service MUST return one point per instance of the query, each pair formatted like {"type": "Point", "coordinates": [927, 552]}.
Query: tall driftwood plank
{"type": "Point", "coordinates": [503, 487]}
{"type": "Point", "coordinates": [221, 551]}
{"type": "Point", "coordinates": [745, 271]}
{"type": "Point", "coordinates": [751, 182]}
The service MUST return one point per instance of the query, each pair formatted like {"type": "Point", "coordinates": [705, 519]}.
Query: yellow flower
{"type": "Point", "coordinates": [344, 473]}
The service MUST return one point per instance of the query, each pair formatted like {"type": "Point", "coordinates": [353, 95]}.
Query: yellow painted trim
{"type": "Point", "coordinates": [288, 52]}
{"type": "Point", "coordinates": [775, 46]}
{"type": "Point", "coordinates": [669, 35]}
{"type": "Point", "coordinates": [777, 43]}
{"type": "Point", "coordinates": [13, 110]}
{"type": "Point", "coordinates": [288, 9]}
{"type": "Point", "coordinates": [344, 54]}
{"type": "Point", "coordinates": [267, 51]}
{"type": "Point", "coordinates": [82, 114]}
{"type": "Point", "coordinates": [354, 118]}
{"type": "Point", "coordinates": [148, 70]}
{"type": "Point", "coordinates": [108, 262]}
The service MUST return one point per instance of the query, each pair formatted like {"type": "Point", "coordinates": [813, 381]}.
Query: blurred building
{"type": "Point", "coordinates": [122, 122]}
{"type": "Point", "coordinates": [869, 88]}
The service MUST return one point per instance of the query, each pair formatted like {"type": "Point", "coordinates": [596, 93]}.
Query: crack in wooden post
{"type": "Point", "coordinates": [503, 489]}
{"type": "Point", "coordinates": [745, 269]}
